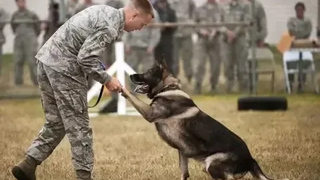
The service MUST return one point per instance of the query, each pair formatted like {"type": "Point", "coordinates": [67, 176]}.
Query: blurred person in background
{"type": "Point", "coordinates": [208, 45]}
{"type": "Point", "coordinates": [53, 21]}
{"type": "Point", "coordinates": [3, 17]}
{"type": "Point", "coordinates": [165, 47]}
{"type": "Point", "coordinates": [25, 42]}
{"type": "Point", "coordinates": [183, 43]}
{"type": "Point", "coordinates": [260, 19]}
{"type": "Point", "coordinates": [235, 50]}
{"type": "Point", "coordinates": [300, 27]}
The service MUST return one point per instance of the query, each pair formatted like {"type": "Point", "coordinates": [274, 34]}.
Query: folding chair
{"type": "Point", "coordinates": [294, 56]}
{"type": "Point", "coordinates": [263, 55]}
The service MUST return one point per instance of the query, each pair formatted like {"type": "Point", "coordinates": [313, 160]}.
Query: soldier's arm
{"type": "Point", "coordinates": [91, 51]}
{"type": "Point", "coordinates": [3, 17]}
{"type": "Point", "coordinates": [261, 35]}
{"type": "Point", "coordinates": [155, 32]}
{"type": "Point", "coordinates": [13, 24]}
{"type": "Point", "coordinates": [246, 18]}
{"type": "Point", "coordinates": [37, 24]}
{"type": "Point", "coordinates": [291, 27]}
{"type": "Point", "coordinates": [308, 29]}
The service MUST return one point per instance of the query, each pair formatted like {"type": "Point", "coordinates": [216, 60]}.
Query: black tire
{"type": "Point", "coordinates": [262, 103]}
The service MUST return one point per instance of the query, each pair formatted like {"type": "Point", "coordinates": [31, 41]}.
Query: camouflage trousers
{"type": "Point", "coordinates": [236, 56]}
{"type": "Point", "coordinates": [207, 50]}
{"type": "Point", "coordinates": [139, 57]}
{"type": "Point", "coordinates": [183, 46]}
{"type": "Point", "coordinates": [64, 102]}
{"type": "Point", "coordinates": [25, 49]}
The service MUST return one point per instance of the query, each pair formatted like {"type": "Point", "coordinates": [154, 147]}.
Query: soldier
{"type": "Point", "coordinates": [183, 44]}
{"type": "Point", "coordinates": [208, 44]}
{"type": "Point", "coordinates": [3, 17]}
{"type": "Point", "coordinates": [140, 46]}
{"type": "Point", "coordinates": [300, 27]}
{"type": "Point", "coordinates": [65, 61]}
{"type": "Point", "coordinates": [236, 48]}
{"type": "Point", "coordinates": [53, 24]}
{"type": "Point", "coordinates": [261, 27]}
{"type": "Point", "coordinates": [165, 47]}
{"type": "Point", "coordinates": [71, 6]}
{"type": "Point", "coordinates": [87, 3]}
{"type": "Point", "coordinates": [25, 43]}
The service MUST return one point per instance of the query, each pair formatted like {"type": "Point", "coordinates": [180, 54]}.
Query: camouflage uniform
{"type": "Point", "coordinates": [301, 29]}
{"type": "Point", "coordinates": [64, 63]}
{"type": "Point", "coordinates": [183, 44]}
{"type": "Point", "coordinates": [25, 43]}
{"type": "Point", "coordinates": [3, 17]}
{"type": "Point", "coordinates": [208, 46]}
{"type": "Point", "coordinates": [262, 30]}
{"type": "Point", "coordinates": [236, 52]}
{"type": "Point", "coordinates": [139, 42]}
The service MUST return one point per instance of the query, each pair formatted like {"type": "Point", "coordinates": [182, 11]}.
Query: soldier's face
{"type": "Point", "coordinates": [300, 11]}
{"type": "Point", "coordinates": [21, 4]}
{"type": "Point", "coordinates": [137, 22]}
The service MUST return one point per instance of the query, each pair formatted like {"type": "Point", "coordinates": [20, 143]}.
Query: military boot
{"type": "Point", "coordinates": [26, 169]}
{"type": "Point", "coordinates": [83, 175]}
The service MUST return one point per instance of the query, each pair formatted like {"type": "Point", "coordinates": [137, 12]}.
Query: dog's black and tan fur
{"type": "Point", "coordinates": [182, 125]}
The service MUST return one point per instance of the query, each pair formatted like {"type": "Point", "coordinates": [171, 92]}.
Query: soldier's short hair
{"type": "Point", "coordinates": [143, 5]}
{"type": "Point", "coordinates": [300, 4]}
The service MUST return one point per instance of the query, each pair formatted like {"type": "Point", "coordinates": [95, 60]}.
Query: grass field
{"type": "Point", "coordinates": [286, 144]}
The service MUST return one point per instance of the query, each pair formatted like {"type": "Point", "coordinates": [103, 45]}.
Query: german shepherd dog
{"type": "Point", "coordinates": [183, 126]}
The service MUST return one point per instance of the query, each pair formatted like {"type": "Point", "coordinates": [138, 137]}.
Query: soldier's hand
{"type": "Point", "coordinates": [150, 50]}
{"type": "Point", "coordinates": [204, 32]}
{"type": "Point", "coordinates": [114, 85]}
{"type": "Point", "coordinates": [128, 49]}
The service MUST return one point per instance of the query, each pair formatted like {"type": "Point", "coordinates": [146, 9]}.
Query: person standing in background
{"type": "Point", "coordinates": [165, 46]}
{"type": "Point", "coordinates": [183, 44]}
{"type": "Point", "coordinates": [300, 27]}
{"type": "Point", "coordinates": [208, 44]}
{"type": "Point", "coordinates": [26, 42]}
{"type": "Point", "coordinates": [3, 17]}
{"type": "Point", "coordinates": [235, 43]}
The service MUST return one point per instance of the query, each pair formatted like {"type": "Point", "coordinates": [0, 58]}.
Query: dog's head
{"type": "Point", "coordinates": [156, 79]}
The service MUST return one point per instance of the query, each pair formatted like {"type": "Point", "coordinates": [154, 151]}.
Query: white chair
{"type": "Point", "coordinates": [293, 56]}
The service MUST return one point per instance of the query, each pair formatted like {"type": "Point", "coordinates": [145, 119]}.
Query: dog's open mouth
{"type": "Point", "coordinates": [142, 88]}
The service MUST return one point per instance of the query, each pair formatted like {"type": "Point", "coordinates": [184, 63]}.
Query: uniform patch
{"type": "Point", "coordinates": [103, 41]}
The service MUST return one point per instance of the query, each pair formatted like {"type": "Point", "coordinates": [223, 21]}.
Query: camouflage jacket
{"type": "Point", "coordinates": [185, 10]}
{"type": "Point", "coordinates": [25, 28]}
{"type": "Point", "coordinates": [146, 37]}
{"type": "Point", "coordinates": [209, 13]}
{"type": "Point", "coordinates": [76, 47]}
{"type": "Point", "coordinates": [237, 11]}
{"type": "Point", "coordinates": [300, 28]}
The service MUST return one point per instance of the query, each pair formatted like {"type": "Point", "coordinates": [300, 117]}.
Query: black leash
{"type": "Point", "coordinates": [102, 88]}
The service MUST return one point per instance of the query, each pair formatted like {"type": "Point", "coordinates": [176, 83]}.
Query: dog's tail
{"type": "Point", "coordinates": [257, 172]}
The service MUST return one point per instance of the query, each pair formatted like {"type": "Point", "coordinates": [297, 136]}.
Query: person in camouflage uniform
{"type": "Point", "coordinates": [65, 61]}
{"type": "Point", "coordinates": [208, 44]}
{"type": "Point", "coordinates": [300, 27]}
{"type": "Point", "coordinates": [25, 43]}
{"type": "Point", "coordinates": [183, 44]}
{"type": "Point", "coordinates": [260, 19]}
{"type": "Point", "coordinates": [3, 17]}
{"type": "Point", "coordinates": [235, 46]}
{"type": "Point", "coordinates": [140, 46]}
